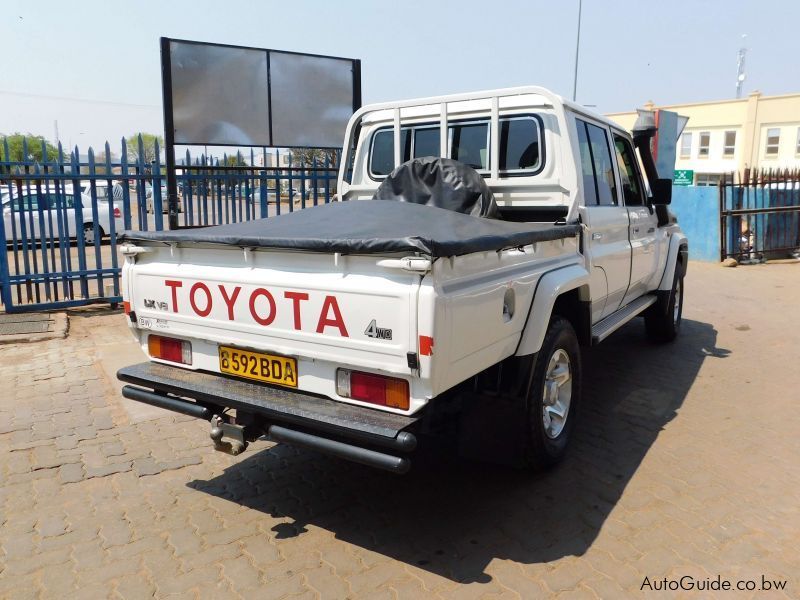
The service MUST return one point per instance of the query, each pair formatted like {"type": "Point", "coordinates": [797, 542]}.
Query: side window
{"type": "Point", "coordinates": [596, 142]}
{"type": "Point", "coordinates": [28, 202]}
{"type": "Point", "coordinates": [469, 144]}
{"type": "Point", "coordinates": [381, 160]}
{"type": "Point", "coordinates": [62, 200]}
{"type": "Point", "coordinates": [587, 168]}
{"type": "Point", "coordinates": [519, 144]}
{"type": "Point", "coordinates": [632, 192]}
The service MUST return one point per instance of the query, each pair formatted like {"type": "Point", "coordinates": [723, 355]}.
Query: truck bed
{"type": "Point", "coordinates": [369, 227]}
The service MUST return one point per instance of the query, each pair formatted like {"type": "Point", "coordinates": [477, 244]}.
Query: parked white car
{"type": "Point", "coordinates": [26, 207]}
{"type": "Point", "coordinates": [164, 194]}
{"type": "Point", "coordinates": [256, 194]}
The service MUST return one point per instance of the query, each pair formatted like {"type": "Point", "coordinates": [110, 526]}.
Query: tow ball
{"type": "Point", "coordinates": [227, 437]}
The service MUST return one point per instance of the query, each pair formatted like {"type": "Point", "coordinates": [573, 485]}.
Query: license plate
{"type": "Point", "coordinates": [258, 365]}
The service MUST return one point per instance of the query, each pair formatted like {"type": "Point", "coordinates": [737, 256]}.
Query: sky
{"type": "Point", "coordinates": [94, 65]}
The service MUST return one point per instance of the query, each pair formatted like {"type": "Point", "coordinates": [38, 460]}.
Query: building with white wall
{"type": "Point", "coordinates": [757, 132]}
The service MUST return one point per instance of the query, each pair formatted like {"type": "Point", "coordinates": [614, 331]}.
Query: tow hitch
{"type": "Point", "coordinates": [220, 429]}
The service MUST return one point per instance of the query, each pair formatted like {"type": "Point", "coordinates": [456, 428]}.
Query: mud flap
{"type": "Point", "coordinates": [492, 428]}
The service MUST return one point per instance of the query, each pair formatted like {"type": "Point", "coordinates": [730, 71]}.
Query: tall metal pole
{"type": "Point", "coordinates": [740, 76]}
{"type": "Point", "coordinates": [577, 51]}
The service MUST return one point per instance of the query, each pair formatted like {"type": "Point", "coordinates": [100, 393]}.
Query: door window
{"type": "Point", "coordinates": [62, 200]}
{"type": "Point", "coordinates": [27, 202]}
{"type": "Point", "coordinates": [596, 165]}
{"type": "Point", "coordinates": [632, 191]}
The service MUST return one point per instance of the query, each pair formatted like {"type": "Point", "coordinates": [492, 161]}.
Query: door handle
{"type": "Point", "coordinates": [597, 236]}
{"type": "Point", "coordinates": [651, 229]}
{"type": "Point", "coordinates": [635, 230]}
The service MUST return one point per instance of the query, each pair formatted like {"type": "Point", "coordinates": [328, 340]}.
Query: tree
{"type": "Point", "coordinates": [15, 148]}
{"type": "Point", "coordinates": [233, 160]}
{"type": "Point", "coordinates": [306, 156]}
{"type": "Point", "coordinates": [148, 144]}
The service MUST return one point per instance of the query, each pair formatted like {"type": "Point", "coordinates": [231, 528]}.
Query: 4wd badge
{"type": "Point", "coordinates": [380, 333]}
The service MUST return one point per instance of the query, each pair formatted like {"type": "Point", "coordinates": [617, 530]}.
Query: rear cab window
{"type": "Point", "coordinates": [521, 145]}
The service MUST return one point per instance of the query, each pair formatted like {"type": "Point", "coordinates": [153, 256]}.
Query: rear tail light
{"type": "Point", "coordinates": [117, 213]}
{"type": "Point", "coordinates": [171, 349]}
{"type": "Point", "coordinates": [375, 389]}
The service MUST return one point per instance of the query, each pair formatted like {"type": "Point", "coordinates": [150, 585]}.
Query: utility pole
{"type": "Point", "coordinates": [740, 76]}
{"type": "Point", "coordinates": [577, 51]}
{"type": "Point", "coordinates": [55, 127]}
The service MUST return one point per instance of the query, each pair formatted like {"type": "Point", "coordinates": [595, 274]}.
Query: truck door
{"type": "Point", "coordinates": [606, 242]}
{"type": "Point", "coordinates": [643, 220]}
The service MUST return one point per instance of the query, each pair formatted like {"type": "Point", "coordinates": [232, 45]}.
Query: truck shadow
{"type": "Point", "coordinates": [452, 517]}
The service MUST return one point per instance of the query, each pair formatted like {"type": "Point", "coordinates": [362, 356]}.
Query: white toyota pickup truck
{"type": "Point", "coordinates": [479, 241]}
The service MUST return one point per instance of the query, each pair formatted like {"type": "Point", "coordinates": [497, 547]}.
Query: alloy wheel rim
{"type": "Point", "coordinates": [676, 309]}
{"type": "Point", "coordinates": [557, 393]}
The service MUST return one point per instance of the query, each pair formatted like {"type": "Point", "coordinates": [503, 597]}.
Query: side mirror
{"type": "Point", "coordinates": [662, 191]}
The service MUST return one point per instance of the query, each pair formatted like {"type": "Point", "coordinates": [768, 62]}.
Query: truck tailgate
{"type": "Point", "coordinates": [321, 307]}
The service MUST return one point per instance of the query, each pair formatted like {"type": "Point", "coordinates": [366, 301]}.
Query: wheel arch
{"type": "Point", "coordinates": [565, 292]}
{"type": "Point", "coordinates": [678, 256]}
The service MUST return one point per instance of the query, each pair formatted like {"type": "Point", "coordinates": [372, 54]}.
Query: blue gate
{"type": "Point", "coordinates": [62, 213]}
{"type": "Point", "coordinates": [760, 215]}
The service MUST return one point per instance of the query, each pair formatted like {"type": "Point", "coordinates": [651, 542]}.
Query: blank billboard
{"type": "Point", "coordinates": [221, 95]}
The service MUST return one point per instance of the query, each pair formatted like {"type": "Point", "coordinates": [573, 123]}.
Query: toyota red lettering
{"type": "Point", "coordinates": [261, 303]}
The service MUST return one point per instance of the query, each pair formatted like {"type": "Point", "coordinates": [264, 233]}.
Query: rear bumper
{"type": "Point", "coordinates": [351, 432]}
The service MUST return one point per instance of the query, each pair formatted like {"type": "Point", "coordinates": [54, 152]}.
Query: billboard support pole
{"type": "Point", "coordinates": [169, 133]}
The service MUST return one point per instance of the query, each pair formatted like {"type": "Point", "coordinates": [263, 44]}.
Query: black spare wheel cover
{"type": "Point", "coordinates": [441, 182]}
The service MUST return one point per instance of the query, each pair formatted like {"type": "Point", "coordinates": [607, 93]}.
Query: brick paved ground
{"type": "Point", "coordinates": [685, 463]}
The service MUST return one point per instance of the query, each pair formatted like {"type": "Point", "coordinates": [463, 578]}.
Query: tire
{"type": "Point", "coordinates": [552, 391]}
{"type": "Point", "coordinates": [662, 321]}
{"type": "Point", "coordinates": [88, 234]}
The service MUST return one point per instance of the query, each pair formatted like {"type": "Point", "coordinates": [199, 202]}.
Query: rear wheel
{"type": "Point", "coordinates": [554, 396]}
{"type": "Point", "coordinates": [89, 234]}
{"type": "Point", "coordinates": [663, 320]}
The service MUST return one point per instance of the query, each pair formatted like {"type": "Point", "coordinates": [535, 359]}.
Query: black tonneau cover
{"type": "Point", "coordinates": [369, 227]}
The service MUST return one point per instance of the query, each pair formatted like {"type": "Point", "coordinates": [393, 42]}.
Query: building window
{"type": "Point", "coordinates": [730, 143]}
{"type": "Point", "coordinates": [705, 140]}
{"type": "Point", "coordinates": [686, 145]}
{"type": "Point", "coordinates": [705, 179]}
{"type": "Point", "coordinates": [797, 147]}
{"type": "Point", "coordinates": [773, 141]}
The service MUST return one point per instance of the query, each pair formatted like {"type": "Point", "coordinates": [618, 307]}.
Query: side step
{"type": "Point", "coordinates": [614, 321]}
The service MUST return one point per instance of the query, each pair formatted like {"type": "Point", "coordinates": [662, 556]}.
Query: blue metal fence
{"type": "Point", "coordinates": [62, 213]}
{"type": "Point", "coordinates": [760, 215]}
